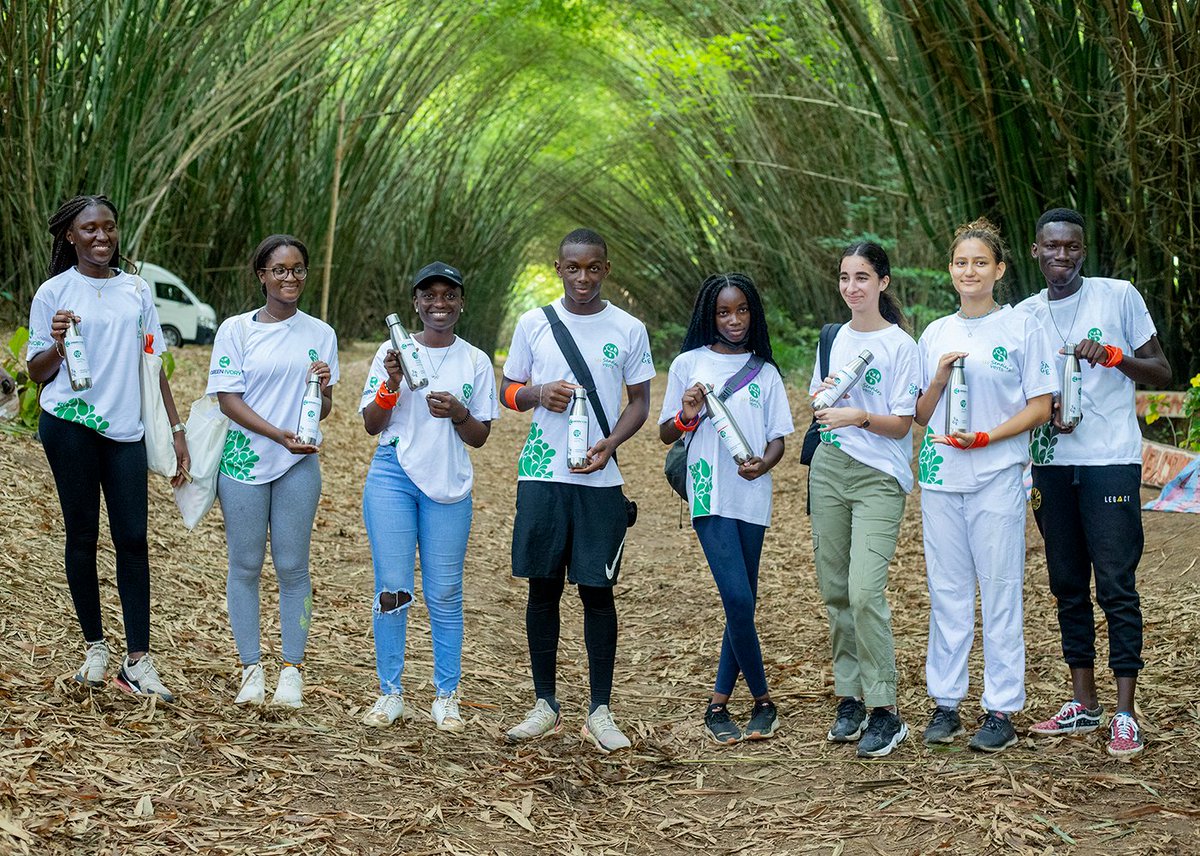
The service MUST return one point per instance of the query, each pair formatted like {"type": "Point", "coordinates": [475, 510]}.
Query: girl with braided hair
{"type": "Point", "coordinates": [861, 475]}
{"type": "Point", "coordinates": [94, 437]}
{"type": "Point", "coordinates": [728, 347]}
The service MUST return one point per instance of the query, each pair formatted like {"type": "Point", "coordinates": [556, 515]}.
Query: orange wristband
{"type": "Point", "coordinates": [1113, 356]}
{"type": "Point", "coordinates": [981, 439]}
{"type": "Point", "coordinates": [510, 395]}
{"type": "Point", "coordinates": [685, 427]}
{"type": "Point", "coordinates": [386, 399]}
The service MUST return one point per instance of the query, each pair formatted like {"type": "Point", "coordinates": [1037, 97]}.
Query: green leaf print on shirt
{"type": "Point", "coordinates": [78, 410]}
{"type": "Point", "coordinates": [701, 488]}
{"type": "Point", "coordinates": [238, 459]}
{"type": "Point", "coordinates": [929, 461]}
{"type": "Point", "coordinates": [1042, 443]}
{"type": "Point", "coordinates": [535, 457]}
{"type": "Point", "coordinates": [830, 438]}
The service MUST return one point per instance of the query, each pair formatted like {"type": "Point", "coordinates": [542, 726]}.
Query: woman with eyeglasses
{"type": "Point", "coordinates": [269, 480]}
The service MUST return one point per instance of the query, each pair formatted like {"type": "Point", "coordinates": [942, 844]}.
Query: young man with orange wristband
{"type": "Point", "coordinates": [1086, 479]}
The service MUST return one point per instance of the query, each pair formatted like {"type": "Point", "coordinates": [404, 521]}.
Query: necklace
{"type": "Point", "coordinates": [91, 281]}
{"type": "Point", "coordinates": [978, 319]}
{"type": "Point", "coordinates": [436, 369]}
{"type": "Point", "coordinates": [264, 311]}
{"type": "Point", "coordinates": [1055, 323]}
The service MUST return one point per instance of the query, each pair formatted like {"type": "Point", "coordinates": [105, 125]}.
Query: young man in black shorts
{"type": "Point", "coordinates": [571, 522]}
{"type": "Point", "coordinates": [1087, 478]}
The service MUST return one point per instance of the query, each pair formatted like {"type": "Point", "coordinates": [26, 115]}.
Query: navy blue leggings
{"type": "Point", "coordinates": [733, 548]}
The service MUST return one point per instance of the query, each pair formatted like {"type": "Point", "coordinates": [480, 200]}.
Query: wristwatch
{"type": "Point", "coordinates": [866, 423]}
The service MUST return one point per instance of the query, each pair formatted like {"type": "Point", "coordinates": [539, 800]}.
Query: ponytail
{"type": "Point", "coordinates": [877, 258]}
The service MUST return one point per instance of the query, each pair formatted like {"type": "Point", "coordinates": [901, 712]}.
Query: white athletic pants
{"type": "Point", "coordinates": [976, 537]}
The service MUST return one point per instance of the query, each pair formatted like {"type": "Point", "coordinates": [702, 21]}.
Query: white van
{"type": "Point", "coordinates": [183, 317]}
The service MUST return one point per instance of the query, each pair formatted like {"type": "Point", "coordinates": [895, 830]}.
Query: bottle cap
{"type": "Point", "coordinates": [392, 319]}
{"type": "Point", "coordinates": [580, 392]}
{"type": "Point", "coordinates": [866, 356]}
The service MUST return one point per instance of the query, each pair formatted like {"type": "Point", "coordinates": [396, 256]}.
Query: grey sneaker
{"type": "Point", "coordinates": [95, 664]}
{"type": "Point", "coordinates": [602, 732]}
{"type": "Point", "coordinates": [996, 734]}
{"type": "Point", "coordinates": [720, 727]}
{"type": "Point", "coordinates": [141, 678]}
{"type": "Point", "coordinates": [850, 722]}
{"type": "Point", "coordinates": [763, 721]}
{"type": "Point", "coordinates": [885, 731]}
{"type": "Point", "coordinates": [542, 720]}
{"type": "Point", "coordinates": [944, 725]}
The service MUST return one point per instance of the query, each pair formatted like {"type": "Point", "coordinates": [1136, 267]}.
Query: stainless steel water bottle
{"type": "Point", "coordinates": [307, 432]}
{"type": "Point", "coordinates": [78, 369]}
{"type": "Point", "coordinates": [1071, 396]}
{"type": "Point", "coordinates": [410, 357]}
{"type": "Point", "coordinates": [958, 406]}
{"type": "Point", "coordinates": [843, 381]}
{"type": "Point", "coordinates": [726, 428]}
{"type": "Point", "coordinates": [577, 430]}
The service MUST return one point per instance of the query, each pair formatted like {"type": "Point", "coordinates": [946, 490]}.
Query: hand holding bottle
{"type": "Point", "coordinates": [945, 363]}
{"type": "Point", "coordinates": [692, 402]}
{"type": "Point", "coordinates": [556, 395]}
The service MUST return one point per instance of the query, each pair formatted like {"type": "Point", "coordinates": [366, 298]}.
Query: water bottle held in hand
{"type": "Point", "coordinates": [958, 407]}
{"type": "Point", "coordinates": [310, 412]}
{"type": "Point", "coordinates": [78, 369]}
{"type": "Point", "coordinates": [577, 430]}
{"type": "Point", "coordinates": [725, 427]}
{"type": "Point", "coordinates": [1071, 394]}
{"type": "Point", "coordinates": [843, 381]}
{"type": "Point", "coordinates": [410, 358]}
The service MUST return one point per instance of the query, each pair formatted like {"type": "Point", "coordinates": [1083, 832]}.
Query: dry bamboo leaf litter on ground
{"type": "Point", "coordinates": [98, 772]}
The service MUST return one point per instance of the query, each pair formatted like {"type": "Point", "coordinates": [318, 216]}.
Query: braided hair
{"type": "Point", "coordinates": [877, 257]}
{"type": "Point", "coordinates": [702, 330]}
{"type": "Point", "coordinates": [62, 254]}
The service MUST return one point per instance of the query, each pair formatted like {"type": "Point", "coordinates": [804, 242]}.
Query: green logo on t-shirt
{"type": "Point", "coordinates": [610, 351]}
{"type": "Point", "coordinates": [1095, 335]}
{"type": "Point", "coordinates": [223, 362]}
{"type": "Point", "coordinates": [1044, 368]}
{"type": "Point", "coordinates": [873, 377]}
{"type": "Point", "coordinates": [467, 392]}
{"type": "Point", "coordinates": [312, 354]}
{"type": "Point", "coordinates": [912, 389]}
{"type": "Point", "coordinates": [999, 354]}
{"type": "Point", "coordinates": [755, 390]}
{"type": "Point", "coordinates": [374, 381]}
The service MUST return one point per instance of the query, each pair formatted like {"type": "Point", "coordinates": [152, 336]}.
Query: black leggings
{"type": "Point", "coordinates": [599, 635]}
{"type": "Point", "coordinates": [85, 462]}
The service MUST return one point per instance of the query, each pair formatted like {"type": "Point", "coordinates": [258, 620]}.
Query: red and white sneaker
{"type": "Point", "coordinates": [1072, 718]}
{"type": "Point", "coordinates": [1124, 736]}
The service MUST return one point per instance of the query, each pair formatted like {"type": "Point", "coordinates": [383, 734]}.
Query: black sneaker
{"type": "Point", "coordinates": [850, 722]}
{"type": "Point", "coordinates": [885, 731]}
{"type": "Point", "coordinates": [944, 725]}
{"type": "Point", "coordinates": [763, 721]}
{"type": "Point", "coordinates": [720, 727]}
{"type": "Point", "coordinates": [996, 734]}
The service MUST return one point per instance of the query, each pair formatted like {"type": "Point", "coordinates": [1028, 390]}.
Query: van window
{"type": "Point", "coordinates": [168, 291]}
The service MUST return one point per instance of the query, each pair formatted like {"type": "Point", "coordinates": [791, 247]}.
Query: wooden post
{"type": "Point", "coordinates": [333, 208]}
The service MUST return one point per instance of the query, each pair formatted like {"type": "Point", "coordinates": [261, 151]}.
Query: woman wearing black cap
{"type": "Point", "coordinates": [418, 490]}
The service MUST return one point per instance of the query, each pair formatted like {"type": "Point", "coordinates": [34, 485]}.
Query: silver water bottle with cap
{"type": "Point", "coordinates": [577, 430]}
{"type": "Point", "coordinates": [410, 357]}
{"type": "Point", "coordinates": [308, 430]}
{"type": "Point", "coordinates": [1070, 400]}
{"type": "Point", "coordinates": [78, 370]}
{"type": "Point", "coordinates": [958, 405]}
{"type": "Point", "coordinates": [725, 426]}
{"type": "Point", "coordinates": [843, 381]}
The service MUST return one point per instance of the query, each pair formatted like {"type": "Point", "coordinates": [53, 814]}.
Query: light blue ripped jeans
{"type": "Point", "coordinates": [400, 518]}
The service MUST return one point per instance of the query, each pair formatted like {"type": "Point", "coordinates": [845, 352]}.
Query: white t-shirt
{"type": "Point", "coordinates": [114, 313]}
{"type": "Point", "coordinates": [268, 364]}
{"type": "Point", "coordinates": [428, 448]}
{"type": "Point", "coordinates": [1009, 361]}
{"type": "Point", "coordinates": [761, 411]}
{"type": "Point", "coordinates": [889, 387]}
{"type": "Point", "coordinates": [1112, 312]}
{"type": "Point", "coordinates": [615, 347]}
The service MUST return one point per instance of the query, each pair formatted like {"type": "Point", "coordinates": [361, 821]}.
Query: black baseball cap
{"type": "Point", "coordinates": [438, 270]}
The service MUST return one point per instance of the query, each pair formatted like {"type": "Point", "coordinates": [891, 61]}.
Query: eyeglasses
{"type": "Point", "coordinates": [280, 272]}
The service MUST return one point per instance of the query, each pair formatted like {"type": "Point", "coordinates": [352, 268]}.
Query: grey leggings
{"type": "Point", "coordinates": [288, 506]}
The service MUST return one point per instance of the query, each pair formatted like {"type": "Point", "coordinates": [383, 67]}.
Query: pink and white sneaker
{"type": "Point", "coordinates": [1072, 718]}
{"type": "Point", "coordinates": [1124, 736]}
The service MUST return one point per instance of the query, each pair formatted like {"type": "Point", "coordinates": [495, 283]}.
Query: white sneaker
{"type": "Point", "coordinates": [386, 710]}
{"type": "Point", "coordinates": [445, 713]}
{"type": "Point", "coordinates": [254, 690]}
{"type": "Point", "coordinates": [290, 689]}
{"type": "Point", "coordinates": [141, 678]}
{"type": "Point", "coordinates": [540, 721]}
{"type": "Point", "coordinates": [95, 664]}
{"type": "Point", "coordinates": [603, 732]}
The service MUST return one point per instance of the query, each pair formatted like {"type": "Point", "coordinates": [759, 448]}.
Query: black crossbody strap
{"type": "Point", "coordinates": [566, 344]}
{"type": "Point", "coordinates": [748, 372]}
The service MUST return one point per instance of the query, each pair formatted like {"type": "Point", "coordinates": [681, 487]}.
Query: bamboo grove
{"type": "Point", "coordinates": [728, 133]}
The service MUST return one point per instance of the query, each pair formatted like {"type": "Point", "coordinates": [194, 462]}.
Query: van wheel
{"type": "Point", "coordinates": [174, 340]}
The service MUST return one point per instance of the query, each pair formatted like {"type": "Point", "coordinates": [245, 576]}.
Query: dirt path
{"type": "Point", "coordinates": [85, 773]}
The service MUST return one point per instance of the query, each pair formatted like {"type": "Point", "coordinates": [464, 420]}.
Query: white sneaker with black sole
{"type": "Point", "coordinates": [141, 678]}
{"type": "Point", "coordinates": [601, 731]}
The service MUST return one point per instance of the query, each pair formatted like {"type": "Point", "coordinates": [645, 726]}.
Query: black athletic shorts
{"type": "Point", "coordinates": [569, 526]}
